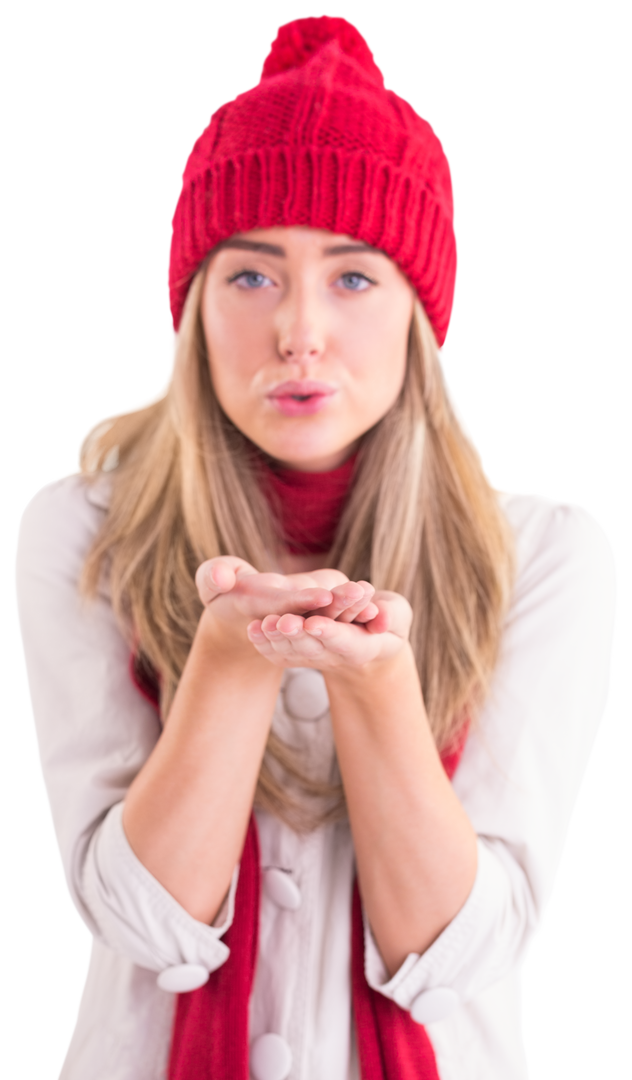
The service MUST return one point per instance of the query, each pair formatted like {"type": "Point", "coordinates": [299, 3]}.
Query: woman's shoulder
{"type": "Point", "coordinates": [60, 522]}
{"type": "Point", "coordinates": [556, 538]}
{"type": "Point", "coordinates": [72, 491]}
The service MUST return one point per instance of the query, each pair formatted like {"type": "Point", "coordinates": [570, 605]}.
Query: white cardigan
{"type": "Point", "coordinates": [517, 781]}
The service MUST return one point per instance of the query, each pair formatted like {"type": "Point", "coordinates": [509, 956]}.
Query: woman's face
{"type": "Point", "coordinates": [307, 336]}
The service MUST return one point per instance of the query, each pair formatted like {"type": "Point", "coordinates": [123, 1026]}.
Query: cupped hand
{"type": "Point", "coordinates": [326, 643]}
{"type": "Point", "coordinates": [235, 594]}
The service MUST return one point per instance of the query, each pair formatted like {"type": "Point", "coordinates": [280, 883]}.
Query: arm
{"type": "Point", "coordinates": [411, 835]}
{"type": "Point", "coordinates": [187, 810]}
{"type": "Point", "coordinates": [519, 774]}
{"type": "Point", "coordinates": [96, 734]}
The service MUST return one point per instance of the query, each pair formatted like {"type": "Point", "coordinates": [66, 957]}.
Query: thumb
{"type": "Point", "coordinates": [219, 575]}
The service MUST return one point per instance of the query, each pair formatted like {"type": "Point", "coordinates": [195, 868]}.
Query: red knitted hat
{"type": "Point", "coordinates": [321, 142]}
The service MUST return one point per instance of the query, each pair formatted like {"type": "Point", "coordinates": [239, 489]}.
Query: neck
{"type": "Point", "coordinates": [308, 507]}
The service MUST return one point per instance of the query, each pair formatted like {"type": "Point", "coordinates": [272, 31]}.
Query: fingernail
{"type": "Point", "coordinates": [315, 633]}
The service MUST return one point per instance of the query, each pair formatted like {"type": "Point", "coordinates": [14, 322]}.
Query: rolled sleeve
{"type": "Point", "coordinates": [136, 916]}
{"type": "Point", "coordinates": [524, 761]}
{"type": "Point", "coordinates": [95, 732]}
{"type": "Point", "coordinates": [486, 936]}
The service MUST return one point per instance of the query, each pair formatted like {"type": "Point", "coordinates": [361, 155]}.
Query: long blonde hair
{"type": "Point", "coordinates": [421, 520]}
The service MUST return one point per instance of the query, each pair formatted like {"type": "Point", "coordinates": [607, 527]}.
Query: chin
{"type": "Point", "coordinates": [309, 447]}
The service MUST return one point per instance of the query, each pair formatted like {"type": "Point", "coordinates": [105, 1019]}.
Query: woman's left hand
{"type": "Point", "coordinates": [376, 627]}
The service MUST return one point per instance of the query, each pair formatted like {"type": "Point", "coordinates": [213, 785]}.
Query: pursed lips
{"type": "Point", "coordinates": [301, 388]}
{"type": "Point", "coordinates": [301, 397]}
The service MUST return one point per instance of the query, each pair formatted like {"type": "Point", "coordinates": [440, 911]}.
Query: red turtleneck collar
{"type": "Point", "coordinates": [309, 504]}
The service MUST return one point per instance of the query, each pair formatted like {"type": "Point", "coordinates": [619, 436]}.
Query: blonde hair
{"type": "Point", "coordinates": [421, 520]}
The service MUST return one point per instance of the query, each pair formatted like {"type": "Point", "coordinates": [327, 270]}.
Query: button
{"type": "Point", "coordinates": [270, 1058]}
{"type": "Point", "coordinates": [281, 889]}
{"type": "Point", "coordinates": [182, 977]}
{"type": "Point", "coordinates": [434, 1005]}
{"type": "Point", "coordinates": [306, 695]}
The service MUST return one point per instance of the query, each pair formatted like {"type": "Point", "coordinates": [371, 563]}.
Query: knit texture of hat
{"type": "Point", "coordinates": [321, 142]}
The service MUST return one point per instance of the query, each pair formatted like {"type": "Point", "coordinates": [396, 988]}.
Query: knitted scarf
{"type": "Point", "coordinates": [308, 505]}
{"type": "Point", "coordinates": [210, 1034]}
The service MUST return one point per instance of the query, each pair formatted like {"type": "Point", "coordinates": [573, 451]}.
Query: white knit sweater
{"type": "Point", "coordinates": [517, 780]}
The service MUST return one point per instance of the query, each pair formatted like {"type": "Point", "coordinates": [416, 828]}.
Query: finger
{"type": "Point", "coordinates": [353, 613]}
{"type": "Point", "coordinates": [260, 642]}
{"type": "Point", "coordinates": [285, 635]}
{"type": "Point", "coordinates": [366, 615]}
{"type": "Point", "coordinates": [394, 615]}
{"type": "Point", "coordinates": [278, 628]}
{"type": "Point", "coordinates": [379, 624]}
{"type": "Point", "coordinates": [400, 614]}
{"type": "Point", "coordinates": [344, 598]}
{"type": "Point", "coordinates": [219, 575]}
{"type": "Point", "coordinates": [294, 592]}
{"type": "Point", "coordinates": [270, 626]}
{"type": "Point", "coordinates": [255, 633]}
{"type": "Point", "coordinates": [275, 601]}
{"type": "Point", "coordinates": [225, 573]}
{"type": "Point", "coordinates": [349, 642]}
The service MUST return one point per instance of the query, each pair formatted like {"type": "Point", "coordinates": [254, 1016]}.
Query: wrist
{"type": "Point", "coordinates": [228, 643]}
{"type": "Point", "coordinates": [363, 680]}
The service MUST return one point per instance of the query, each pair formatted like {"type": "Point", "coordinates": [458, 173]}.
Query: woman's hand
{"type": "Point", "coordinates": [374, 626]}
{"type": "Point", "coordinates": [236, 595]}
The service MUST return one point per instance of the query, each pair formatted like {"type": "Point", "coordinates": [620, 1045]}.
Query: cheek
{"type": "Point", "coordinates": [380, 357]}
{"type": "Point", "coordinates": [225, 384]}
{"type": "Point", "coordinates": [233, 348]}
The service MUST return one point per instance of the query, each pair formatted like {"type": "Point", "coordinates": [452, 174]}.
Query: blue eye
{"type": "Point", "coordinates": [356, 282]}
{"type": "Point", "coordinates": [250, 273]}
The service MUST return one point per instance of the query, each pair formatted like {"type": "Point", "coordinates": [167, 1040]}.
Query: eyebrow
{"type": "Point", "coordinates": [276, 249]}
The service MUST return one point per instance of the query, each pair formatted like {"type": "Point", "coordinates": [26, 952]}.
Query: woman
{"type": "Point", "coordinates": [295, 564]}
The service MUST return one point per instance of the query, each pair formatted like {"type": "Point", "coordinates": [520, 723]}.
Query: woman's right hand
{"type": "Point", "coordinates": [234, 593]}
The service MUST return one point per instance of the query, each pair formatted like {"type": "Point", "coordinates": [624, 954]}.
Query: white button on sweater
{"type": "Point", "coordinates": [270, 1058]}
{"type": "Point", "coordinates": [517, 781]}
{"type": "Point", "coordinates": [181, 978]}
{"type": "Point", "coordinates": [305, 695]}
{"type": "Point", "coordinates": [278, 885]}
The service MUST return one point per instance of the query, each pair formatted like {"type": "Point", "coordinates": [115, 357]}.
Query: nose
{"type": "Point", "coordinates": [300, 328]}
{"type": "Point", "coordinates": [299, 352]}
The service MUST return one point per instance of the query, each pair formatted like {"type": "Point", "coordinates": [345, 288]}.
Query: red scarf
{"type": "Point", "coordinates": [210, 1035]}
{"type": "Point", "coordinates": [308, 504]}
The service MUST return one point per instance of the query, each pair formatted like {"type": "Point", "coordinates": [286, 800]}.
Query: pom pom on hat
{"type": "Point", "coordinates": [321, 142]}
{"type": "Point", "coordinates": [296, 43]}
